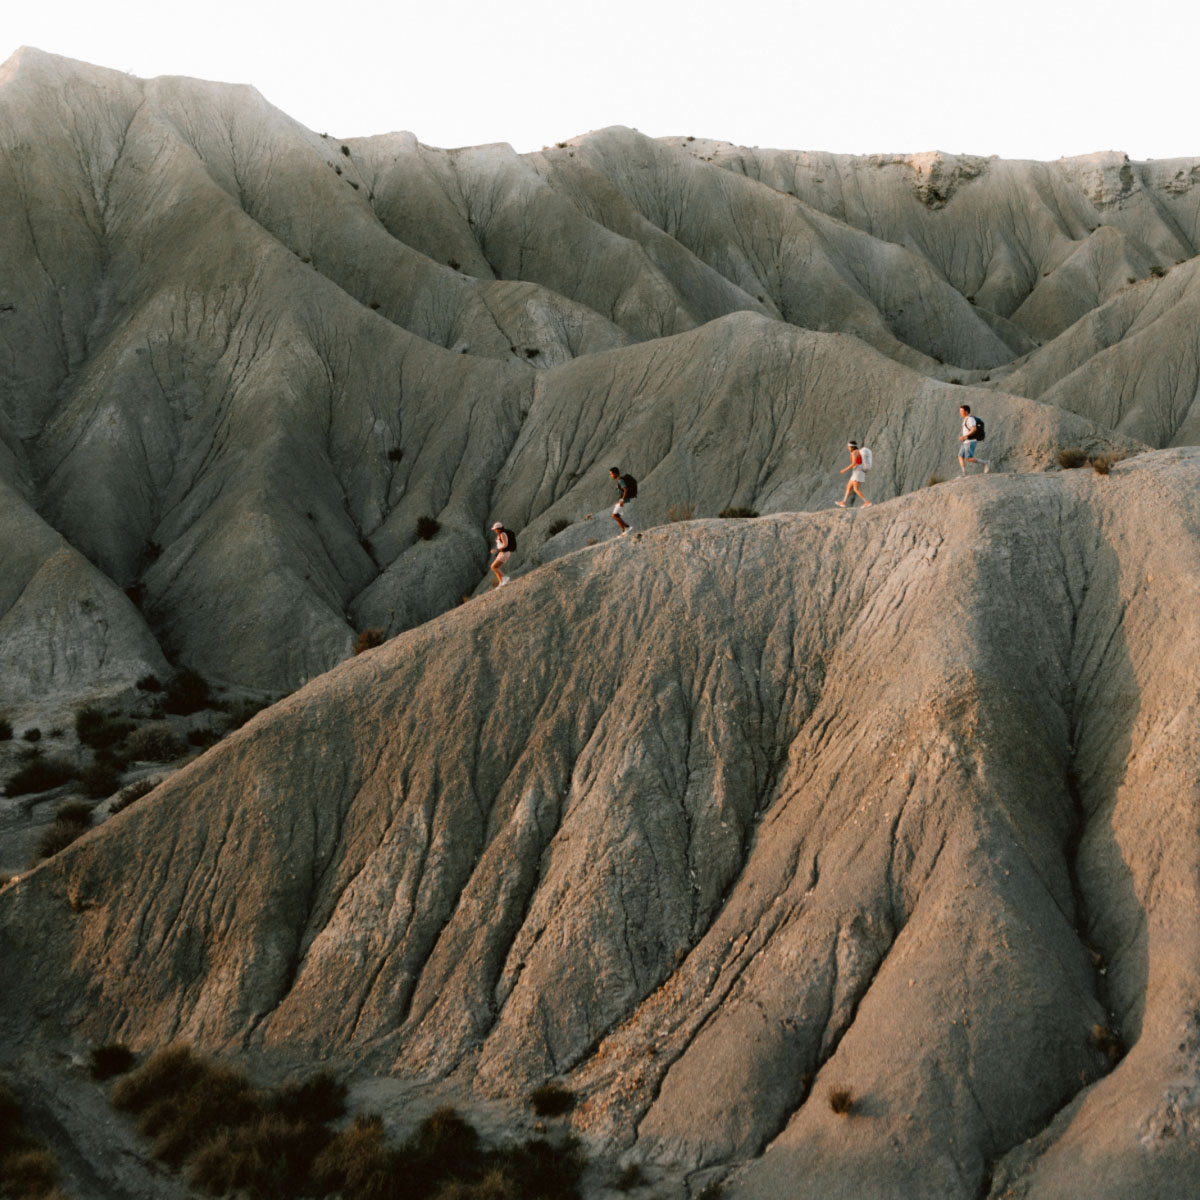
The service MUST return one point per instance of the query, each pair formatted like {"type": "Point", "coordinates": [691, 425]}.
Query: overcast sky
{"type": "Point", "coordinates": [1022, 79]}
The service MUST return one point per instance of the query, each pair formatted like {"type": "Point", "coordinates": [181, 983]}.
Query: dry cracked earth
{"type": "Point", "coordinates": [710, 822]}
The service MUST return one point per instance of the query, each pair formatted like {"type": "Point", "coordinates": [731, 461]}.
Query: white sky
{"type": "Point", "coordinates": [1021, 79]}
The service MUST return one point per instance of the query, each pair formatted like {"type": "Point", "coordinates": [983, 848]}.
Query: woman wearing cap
{"type": "Point", "coordinates": [505, 543]}
{"type": "Point", "coordinates": [857, 476]}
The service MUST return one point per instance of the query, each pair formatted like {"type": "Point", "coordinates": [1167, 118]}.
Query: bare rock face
{"type": "Point", "coordinates": [713, 822]}
{"type": "Point", "coordinates": [243, 360]}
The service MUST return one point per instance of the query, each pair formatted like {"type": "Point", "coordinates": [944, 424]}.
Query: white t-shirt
{"type": "Point", "coordinates": [969, 424]}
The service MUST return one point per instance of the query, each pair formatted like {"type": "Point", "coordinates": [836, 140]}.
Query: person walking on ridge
{"type": "Point", "coordinates": [622, 512]}
{"type": "Point", "coordinates": [506, 543]}
{"type": "Point", "coordinates": [857, 476]}
{"type": "Point", "coordinates": [969, 438]}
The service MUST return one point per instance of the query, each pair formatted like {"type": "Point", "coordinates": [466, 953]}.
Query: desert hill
{"type": "Point", "coordinates": [707, 823]}
{"type": "Point", "coordinates": [242, 359]}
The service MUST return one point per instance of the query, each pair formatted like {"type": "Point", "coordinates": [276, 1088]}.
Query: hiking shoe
{"type": "Point", "coordinates": [840, 503]}
{"type": "Point", "coordinates": [503, 580]}
{"type": "Point", "coordinates": [986, 469]}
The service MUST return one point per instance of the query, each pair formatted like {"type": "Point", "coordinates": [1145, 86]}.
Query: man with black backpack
{"type": "Point", "coordinates": [622, 513]}
{"type": "Point", "coordinates": [506, 543]}
{"type": "Point", "coordinates": [972, 433]}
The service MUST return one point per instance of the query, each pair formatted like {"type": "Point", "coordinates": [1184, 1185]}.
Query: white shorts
{"type": "Point", "coordinates": [858, 475]}
{"type": "Point", "coordinates": [624, 511]}
{"type": "Point", "coordinates": [502, 557]}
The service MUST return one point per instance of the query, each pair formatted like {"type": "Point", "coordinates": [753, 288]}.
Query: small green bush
{"type": "Point", "coordinates": [135, 791]}
{"type": "Point", "coordinates": [156, 742]}
{"type": "Point", "coordinates": [100, 730]}
{"type": "Point", "coordinates": [99, 780]}
{"type": "Point", "coordinates": [551, 1100]}
{"type": "Point", "coordinates": [736, 511]}
{"type": "Point", "coordinates": [39, 775]}
{"type": "Point", "coordinates": [109, 1060]}
{"type": "Point", "coordinates": [427, 528]}
{"type": "Point", "coordinates": [1071, 458]}
{"type": "Point", "coordinates": [369, 639]}
{"type": "Point", "coordinates": [187, 693]}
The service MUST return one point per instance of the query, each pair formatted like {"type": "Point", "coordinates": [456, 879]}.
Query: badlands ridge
{"type": "Point", "coordinates": [703, 822]}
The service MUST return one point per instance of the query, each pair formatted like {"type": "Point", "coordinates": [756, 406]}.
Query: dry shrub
{"type": "Point", "coordinates": [841, 1101]}
{"type": "Point", "coordinates": [369, 639]}
{"type": "Point", "coordinates": [1103, 463]}
{"type": "Point", "coordinates": [5, 730]}
{"type": "Point", "coordinates": [551, 1100]}
{"type": "Point", "coordinates": [29, 1173]}
{"type": "Point", "coordinates": [631, 1178]}
{"type": "Point", "coordinates": [269, 1155]}
{"type": "Point", "coordinates": [155, 742]}
{"type": "Point", "coordinates": [679, 512]}
{"type": "Point", "coordinates": [100, 779]}
{"type": "Point", "coordinates": [39, 775]}
{"type": "Point", "coordinates": [738, 511]}
{"type": "Point", "coordinates": [100, 730]}
{"type": "Point", "coordinates": [427, 528]}
{"type": "Point", "coordinates": [1108, 1043]}
{"type": "Point", "coordinates": [187, 693]}
{"type": "Point", "coordinates": [1071, 458]}
{"type": "Point", "coordinates": [356, 1162]}
{"type": "Point", "coordinates": [135, 791]}
{"type": "Point", "coordinates": [111, 1059]}
{"type": "Point", "coordinates": [70, 823]}
{"type": "Point", "coordinates": [556, 527]}
{"type": "Point", "coordinates": [934, 480]}
{"type": "Point", "coordinates": [318, 1099]}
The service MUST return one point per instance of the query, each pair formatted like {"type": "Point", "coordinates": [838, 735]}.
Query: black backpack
{"type": "Point", "coordinates": [512, 539]}
{"type": "Point", "coordinates": [979, 433]}
{"type": "Point", "coordinates": [630, 485]}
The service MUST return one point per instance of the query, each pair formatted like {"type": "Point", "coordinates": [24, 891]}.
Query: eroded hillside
{"type": "Point", "coordinates": [241, 360]}
{"type": "Point", "coordinates": [710, 822]}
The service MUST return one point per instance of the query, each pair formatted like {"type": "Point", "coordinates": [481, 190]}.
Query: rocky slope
{"type": "Point", "coordinates": [710, 822]}
{"type": "Point", "coordinates": [240, 359]}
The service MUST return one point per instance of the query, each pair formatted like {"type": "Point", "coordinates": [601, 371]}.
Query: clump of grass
{"type": "Point", "coordinates": [32, 735]}
{"type": "Point", "coordinates": [100, 730]}
{"type": "Point", "coordinates": [1072, 458]}
{"type": "Point", "coordinates": [135, 791]}
{"type": "Point", "coordinates": [99, 780]}
{"type": "Point", "coordinates": [238, 712]}
{"type": "Point", "coordinates": [5, 730]}
{"type": "Point", "coordinates": [155, 742]}
{"type": "Point", "coordinates": [934, 480]}
{"type": "Point", "coordinates": [113, 1058]}
{"type": "Point", "coordinates": [1157, 271]}
{"type": "Point", "coordinates": [395, 454]}
{"type": "Point", "coordinates": [187, 693]}
{"type": "Point", "coordinates": [201, 739]}
{"type": "Point", "coordinates": [532, 352]}
{"type": "Point", "coordinates": [71, 822]}
{"type": "Point", "coordinates": [1103, 463]}
{"type": "Point", "coordinates": [841, 1101]}
{"type": "Point", "coordinates": [39, 775]}
{"type": "Point", "coordinates": [427, 528]}
{"type": "Point", "coordinates": [557, 526]}
{"type": "Point", "coordinates": [150, 683]}
{"type": "Point", "coordinates": [369, 639]}
{"type": "Point", "coordinates": [551, 1100]}
{"type": "Point", "coordinates": [680, 512]}
{"type": "Point", "coordinates": [738, 511]}
{"type": "Point", "coordinates": [1108, 1042]}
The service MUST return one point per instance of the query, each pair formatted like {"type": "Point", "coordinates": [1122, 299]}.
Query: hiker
{"type": "Point", "coordinates": [622, 512]}
{"type": "Point", "coordinates": [506, 543]}
{"type": "Point", "coordinates": [972, 434]}
{"type": "Point", "coordinates": [857, 475]}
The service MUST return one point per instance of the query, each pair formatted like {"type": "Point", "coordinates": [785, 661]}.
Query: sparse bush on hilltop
{"type": "Point", "coordinates": [70, 823]}
{"type": "Point", "coordinates": [369, 639]}
{"type": "Point", "coordinates": [135, 791]}
{"type": "Point", "coordinates": [427, 528]}
{"type": "Point", "coordinates": [679, 512]}
{"type": "Point", "coordinates": [556, 527]}
{"type": "Point", "coordinates": [99, 780]}
{"type": "Point", "coordinates": [1103, 463]}
{"type": "Point", "coordinates": [841, 1101]}
{"type": "Point", "coordinates": [1071, 458]}
{"type": "Point", "coordinates": [738, 511]}
{"type": "Point", "coordinates": [5, 730]}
